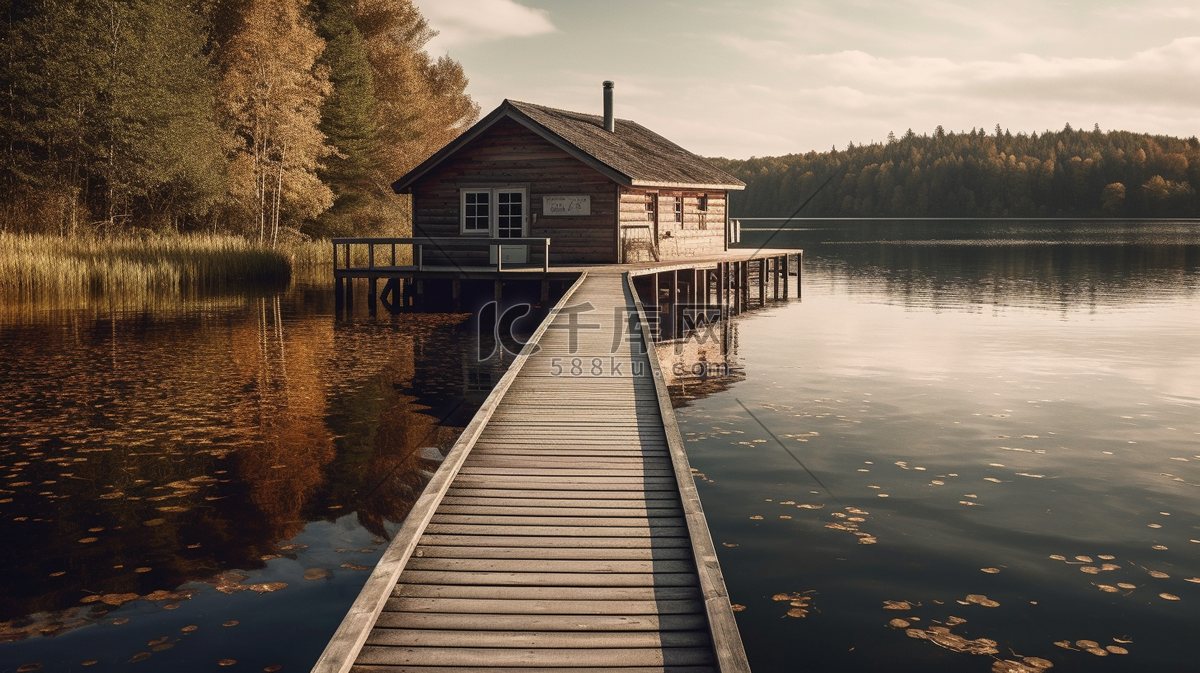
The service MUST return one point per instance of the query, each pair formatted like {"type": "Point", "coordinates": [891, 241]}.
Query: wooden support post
{"type": "Point", "coordinates": [674, 303]}
{"type": "Point", "coordinates": [545, 290]}
{"type": "Point", "coordinates": [339, 294]}
{"type": "Point", "coordinates": [498, 289]}
{"type": "Point", "coordinates": [456, 293]}
{"type": "Point", "coordinates": [723, 286]}
{"type": "Point", "coordinates": [657, 303]}
{"type": "Point", "coordinates": [370, 255]}
{"type": "Point", "coordinates": [349, 295]}
{"type": "Point", "coordinates": [775, 278]}
{"type": "Point", "coordinates": [393, 254]}
{"type": "Point", "coordinates": [419, 298]}
{"type": "Point", "coordinates": [372, 293]}
{"type": "Point", "coordinates": [787, 275]}
{"type": "Point", "coordinates": [762, 281]}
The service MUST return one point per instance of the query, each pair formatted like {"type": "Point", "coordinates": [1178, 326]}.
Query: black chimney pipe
{"type": "Point", "coordinates": [609, 122]}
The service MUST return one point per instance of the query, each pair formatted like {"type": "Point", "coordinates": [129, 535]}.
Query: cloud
{"type": "Point", "coordinates": [460, 22]}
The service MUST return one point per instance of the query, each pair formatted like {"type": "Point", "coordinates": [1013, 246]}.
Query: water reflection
{"type": "Point", "coordinates": [1068, 266]}
{"type": "Point", "coordinates": [145, 451]}
{"type": "Point", "coordinates": [1007, 432]}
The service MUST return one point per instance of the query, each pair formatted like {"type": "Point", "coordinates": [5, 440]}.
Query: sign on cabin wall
{"type": "Point", "coordinates": [566, 205]}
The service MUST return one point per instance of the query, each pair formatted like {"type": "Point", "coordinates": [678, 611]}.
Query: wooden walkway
{"type": "Point", "coordinates": [563, 531]}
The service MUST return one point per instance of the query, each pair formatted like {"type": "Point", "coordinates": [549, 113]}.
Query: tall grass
{"type": "Point", "coordinates": [35, 267]}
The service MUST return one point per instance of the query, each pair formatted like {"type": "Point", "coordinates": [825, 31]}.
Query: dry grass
{"type": "Point", "coordinates": [42, 267]}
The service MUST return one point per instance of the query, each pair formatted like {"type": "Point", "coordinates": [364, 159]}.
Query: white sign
{"type": "Point", "coordinates": [566, 205]}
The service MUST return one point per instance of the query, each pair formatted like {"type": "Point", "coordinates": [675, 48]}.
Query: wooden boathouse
{"type": "Point", "coordinates": [563, 530]}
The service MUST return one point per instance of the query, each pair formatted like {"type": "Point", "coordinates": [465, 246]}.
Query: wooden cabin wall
{"type": "Point", "coordinates": [700, 233]}
{"type": "Point", "coordinates": [508, 154]}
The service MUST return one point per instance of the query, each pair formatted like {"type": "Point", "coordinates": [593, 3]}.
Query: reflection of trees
{"type": "Point", "coordinates": [226, 428]}
{"type": "Point", "coordinates": [1066, 275]}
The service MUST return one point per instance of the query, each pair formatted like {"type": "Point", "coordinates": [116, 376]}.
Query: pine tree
{"type": "Point", "coordinates": [347, 118]}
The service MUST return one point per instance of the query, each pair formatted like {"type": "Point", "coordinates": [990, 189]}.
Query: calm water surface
{"type": "Point", "coordinates": [212, 479]}
{"type": "Point", "coordinates": [1006, 434]}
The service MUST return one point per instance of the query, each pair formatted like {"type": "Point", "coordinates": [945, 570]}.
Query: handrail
{"type": "Point", "coordinates": [438, 242]}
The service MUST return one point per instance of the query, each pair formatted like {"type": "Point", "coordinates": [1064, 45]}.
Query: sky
{"type": "Point", "coordinates": [772, 77]}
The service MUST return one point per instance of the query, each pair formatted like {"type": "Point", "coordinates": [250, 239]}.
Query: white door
{"type": "Point", "coordinates": [511, 212]}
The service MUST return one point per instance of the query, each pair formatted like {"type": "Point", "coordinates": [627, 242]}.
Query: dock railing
{"type": "Point", "coordinates": [343, 260]}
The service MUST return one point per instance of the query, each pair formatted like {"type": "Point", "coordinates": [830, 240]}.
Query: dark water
{"type": "Point", "coordinates": [213, 479]}
{"type": "Point", "coordinates": [969, 409]}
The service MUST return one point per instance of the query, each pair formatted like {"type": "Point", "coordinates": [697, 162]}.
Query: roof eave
{"type": "Point", "coordinates": [688, 185]}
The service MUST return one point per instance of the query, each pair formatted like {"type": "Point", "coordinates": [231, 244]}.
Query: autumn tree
{"type": "Point", "coordinates": [420, 103]}
{"type": "Point", "coordinates": [269, 97]}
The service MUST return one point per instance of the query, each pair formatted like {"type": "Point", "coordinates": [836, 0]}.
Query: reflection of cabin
{"type": "Point", "coordinates": [604, 190]}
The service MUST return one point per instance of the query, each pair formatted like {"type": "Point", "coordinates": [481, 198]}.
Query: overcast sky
{"type": "Point", "coordinates": [768, 77]}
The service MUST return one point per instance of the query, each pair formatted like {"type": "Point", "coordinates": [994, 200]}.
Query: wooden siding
{"type": "Point", "coordinates": [510, 155]}
{"type": "Point", "coordinates": [700, 233]}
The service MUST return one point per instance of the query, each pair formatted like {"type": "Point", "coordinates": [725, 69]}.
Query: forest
{"type": "Point", "coordinates": [1067, 173]}
{"type": "Point", "coordinates": [266, 119]}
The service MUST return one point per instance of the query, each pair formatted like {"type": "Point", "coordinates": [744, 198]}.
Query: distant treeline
{"type": "Point", "coordinates": [257, 117]}
{"type": "Point", "coordinates": [979, 174]}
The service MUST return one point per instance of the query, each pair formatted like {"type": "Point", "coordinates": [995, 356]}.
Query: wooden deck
{"type": "Point", "coordinates": [563, 531]}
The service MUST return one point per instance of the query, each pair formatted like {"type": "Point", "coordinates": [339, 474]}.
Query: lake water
{"type": "Point", "coordinates": [1017, 391]}
{"type": "Point", "coordinates": [1002, 426]}
{"type": "Point", "coordinates": [211, 479]}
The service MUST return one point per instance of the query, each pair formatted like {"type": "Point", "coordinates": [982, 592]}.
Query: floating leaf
{"type": "Point", "coordinates": [1169, 597]}
{"type": "Point", "coordinates": [227, 662]}
{"type": "Point", "coordinates": [898, 623]}
{"type": "Point", "coordinates": [990, 571]}
{"type": "Point", "coordinates": [1098, 651]}
{"type": "Point", "coordinates": [1158, 574]}
{"type": "Point", "coordinates": [27, 668]}
{"type": "Point", "coordinates": [1038, 663]}
{"type": "Point", "coordinates": [1091, 570]}
{"type": "Point", "coordinates": [810, 506]}
{"type": "Point", "coordinates": [355, 566]}
{"type": "Point", "coordinates": [1057, 557]}
{"type": "Point", "coordinates": [88, 540]}
{"type": "Point", "coordinates": [980, 599]}
{"type": "Point", "coordinates": [154, 522]}
{"type": "Point", "coordinates": [729, 544]}
{"type": "Point", "coordinates": [756, 518]}
{"type": "Point", "coordinates": [868, 539]}
{"type": "Point", "coordinates": [232, 622]}
{"type": "Point", "coordinates": [118, 599]}
{"type": "Point", "coordinates": [1086, 644]}
{"type": "Point", "coordinates": [158, 641]}
{"type": "Point", "coordinates": [1085, 559]}
{"type": "Point", "coordinates": [797, 612]}
{"type": "Point", "coordinates": [1065, 644]}
{"type": "Point", "coordinates": [120, 621]}
{"type": "Point", "coordinates": [992, 479]}
{"type": "Point", "coordinates": [143, 569]}
{"type": "Point", "coordinates": [1117, 649]}
{"type": "Point", "coordinates": [736, 607]}
{"type": "Point", "coordinates": [1106, 557]}
{"type": "Point", "coordinates": [781, 516]}
{"type": "Point", "coordinates": [317, 574]}
{"type": "Point", "coordinates": [267, 587]}
{"type": "Point", "coordinates": [897, 605]}
{"type": "Point", "coordinates": [140, 656]}
{"type": "Point", "coordinates": [1126, 585]}
{"type": "Point", "coordinates": [1159, 547]}
{"type": "Point", "coordinates": [273, 667]}
{"type": "Point", "coordinates": [189, 628]}
{"type": "Point", "coordinates": [1107, 588]}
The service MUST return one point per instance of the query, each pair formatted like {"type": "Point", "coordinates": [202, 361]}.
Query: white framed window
{"type": "Point", "coordinates": [476, 209]}
{"type": "Point", "coordinates": [678, 211]}
{"type": "Point", "coordinates": [498, 212]}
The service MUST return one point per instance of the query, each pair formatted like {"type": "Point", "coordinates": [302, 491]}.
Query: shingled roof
{"type": "Point", "coordinates": [632, 155]}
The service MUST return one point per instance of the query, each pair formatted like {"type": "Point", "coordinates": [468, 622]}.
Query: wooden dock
{"type": "Point", "coordinates": [563, 531]}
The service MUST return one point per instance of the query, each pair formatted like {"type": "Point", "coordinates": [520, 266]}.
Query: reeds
{"type": "Point", "coordinates": [35, 267]}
